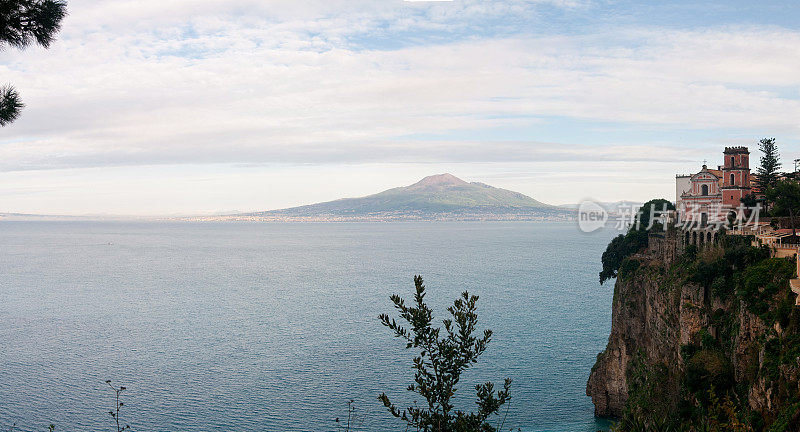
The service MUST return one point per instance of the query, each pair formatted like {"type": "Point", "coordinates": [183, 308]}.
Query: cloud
{"type": "Point", "coordinates": [186, 82]}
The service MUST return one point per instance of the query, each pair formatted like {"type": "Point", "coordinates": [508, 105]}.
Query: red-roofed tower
{"type": "Point", "coordinates": [735, 176]}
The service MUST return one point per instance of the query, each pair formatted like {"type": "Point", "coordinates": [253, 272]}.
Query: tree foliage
{"type": "Point", "coordinates": [620, 248]}
{"type": "Point", "coordinates": [762, 281]}
{"type": "Point", "coordinates": [785, 197]}
{"type": "Point", "coordinates": [750, 200]}
{"type": "Point", "coordinates": [769, 164]}
{"type": "Point", "coordinates": [642, 411]}
{"type": "Point", "coordinates": [10, 105]}
{"type": "Point", "coordinates": [668, 397]}
{"type": "Point", "coordinates": [624, 245]}
{"type": "Point", "coordinates": [441, 361]}
{"type": "Point", "coordinates": [645, 218]}
{"type": "Point", "coordinates": [22, 23]}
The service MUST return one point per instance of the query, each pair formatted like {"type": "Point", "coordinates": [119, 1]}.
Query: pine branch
{"type": "Point", "coordinates": [10, 105]}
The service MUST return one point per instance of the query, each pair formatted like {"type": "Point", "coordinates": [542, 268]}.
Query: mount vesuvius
{"type": "Point", "coordinates": [436, 197]}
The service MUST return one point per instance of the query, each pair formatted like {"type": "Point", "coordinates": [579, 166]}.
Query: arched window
{"type": "Point", "coordinates": [704, 190]}
{"type": "Point", "coordinates": [732, 161]}
{"type": "Point", "coordinates": [733, 180]}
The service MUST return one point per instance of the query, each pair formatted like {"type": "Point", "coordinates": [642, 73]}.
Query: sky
{"type": "Point", "coordinates": [146, 107]}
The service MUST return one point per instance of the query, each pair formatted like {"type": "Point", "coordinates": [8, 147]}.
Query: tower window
{"type": "Point", "coordinates": [733, 180]}
{"type": "Point", "coordinates": [704, 190]}
{"type": "Point", "coordinates": [732, 164]}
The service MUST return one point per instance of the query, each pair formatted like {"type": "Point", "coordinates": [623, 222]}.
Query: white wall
{"type": "Point", "coordinates": [682, 184]}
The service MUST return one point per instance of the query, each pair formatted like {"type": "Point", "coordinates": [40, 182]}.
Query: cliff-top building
{"type": "Point", "coordinates": [711, 194]}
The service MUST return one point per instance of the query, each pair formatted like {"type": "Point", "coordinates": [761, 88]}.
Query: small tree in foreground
{"type": "Point", "coordinates": [440, 363]}
{"type": "Point", "coordinates": [114, 413]}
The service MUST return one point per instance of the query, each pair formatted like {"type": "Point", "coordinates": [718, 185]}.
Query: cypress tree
{"type": "Point", "coordinates": [769, 164]}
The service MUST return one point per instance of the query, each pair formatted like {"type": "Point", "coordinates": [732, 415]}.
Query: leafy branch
{"type": "Point", "coordinates": [117, 405]}
{"type": "Point", "coordinates": [440, 364]}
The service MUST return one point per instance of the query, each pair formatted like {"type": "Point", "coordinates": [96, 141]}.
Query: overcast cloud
{"type": "Point", "coordinates": [255, 84]}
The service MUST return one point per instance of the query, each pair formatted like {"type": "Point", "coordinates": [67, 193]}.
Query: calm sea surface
{"type": "Point", "coordinates": [273, 327]}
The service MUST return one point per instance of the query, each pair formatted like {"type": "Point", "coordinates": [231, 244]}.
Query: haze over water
{"type": "Point", "coordinates": [273, 327]}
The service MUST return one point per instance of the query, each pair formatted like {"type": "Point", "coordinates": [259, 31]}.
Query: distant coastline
{"type": "Point", "coordinates": [566, 216]}
{"type": "Point", "coordinates": [390, 217]}
{"type": "Point", "coordinates": [440, 197]}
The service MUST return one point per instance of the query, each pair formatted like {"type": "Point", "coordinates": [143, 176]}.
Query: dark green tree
{"type": "Point", "coordinates": [624, 245]}
{"type": "Point", "coordinates": [750, 200]}
{"type": "Point", "coordinates": [769, 164]}
{"type": "Point", "coordinates": [785, 198]}
{"type": "Point", "coordinates": [618, 250]}
{"type": "Point", "coordinates": [22, 23]}
{"type": "Point", "coordinates": [645, 214]}
{"type": "Point", "coordinates": [440, 363]}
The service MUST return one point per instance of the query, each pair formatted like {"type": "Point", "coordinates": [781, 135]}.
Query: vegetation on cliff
{"type": "Point", "coordinates": [714, 347]}
{"type": "Point", "coordinates": [704, 339]}
{"type": "Point", "coordinates": [625, 245]}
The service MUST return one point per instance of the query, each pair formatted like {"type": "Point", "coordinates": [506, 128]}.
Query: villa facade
{"type": "Point", "coordinates": [710, 195]}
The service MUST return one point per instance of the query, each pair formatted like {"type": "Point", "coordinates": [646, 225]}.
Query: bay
{"type": "Point", "coordinates": [273, 326]}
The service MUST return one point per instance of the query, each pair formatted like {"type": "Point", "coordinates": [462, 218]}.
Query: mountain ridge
{"type": "Point", "coordinates": [439, 196]}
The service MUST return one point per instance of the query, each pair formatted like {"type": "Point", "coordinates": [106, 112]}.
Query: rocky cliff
{"type": "Point", "coordinates": [689, 328]}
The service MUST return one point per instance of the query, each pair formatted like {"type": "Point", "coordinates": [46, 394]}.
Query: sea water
{"type": "Point", "coordinates": [274, 326]}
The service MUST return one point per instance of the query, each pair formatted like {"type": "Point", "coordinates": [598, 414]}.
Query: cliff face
{"type": "Point", "coordinates": [663, 322]}
{"type": "Point", "coordinates": [650, 318]}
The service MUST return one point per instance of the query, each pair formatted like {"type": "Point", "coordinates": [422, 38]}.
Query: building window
{"type": "Point", "coordinates": [704, 190]}
{"type": "Point", "coordinates": [732, 161]}
{"type": "Point", "coordinates": [733, 180]}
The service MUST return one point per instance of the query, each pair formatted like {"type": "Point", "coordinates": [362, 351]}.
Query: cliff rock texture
{"type": "Point", "coordinates": [691, 331]}
{"type": "Point", "coordinates": [649, 320]}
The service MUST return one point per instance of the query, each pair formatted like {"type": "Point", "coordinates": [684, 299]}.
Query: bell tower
{"type": "Point", "coordinates": [735, 176]}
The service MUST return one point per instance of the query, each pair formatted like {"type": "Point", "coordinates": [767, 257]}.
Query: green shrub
{"type": "Point", "coordinates": [625, 245]}
{"type": "Point", "coordinates": [652, 396]}
{"type": "Point", "coordinates": [628, 267]}
{"type": "Point", "coordinates": [688, 350]}
{"type": "Point", "coordinates": [740, 253]}
{"type": "Point", "coordinates": [691, 252]}
{"type": "Point", "coordinates": [707, 368]}
{"type": "Point", "coordinates": [772, 359]}
{"type": "Point", "coordinates": [761, 282]}
{"type": "Point", "coordinates": [785, 419]}
{"type": "Point", "coordinates": [620, 248]}
{"type": "Point", "coordinates": [707, 340]}
{"type": "Point", "coordinates": [784, 311]}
